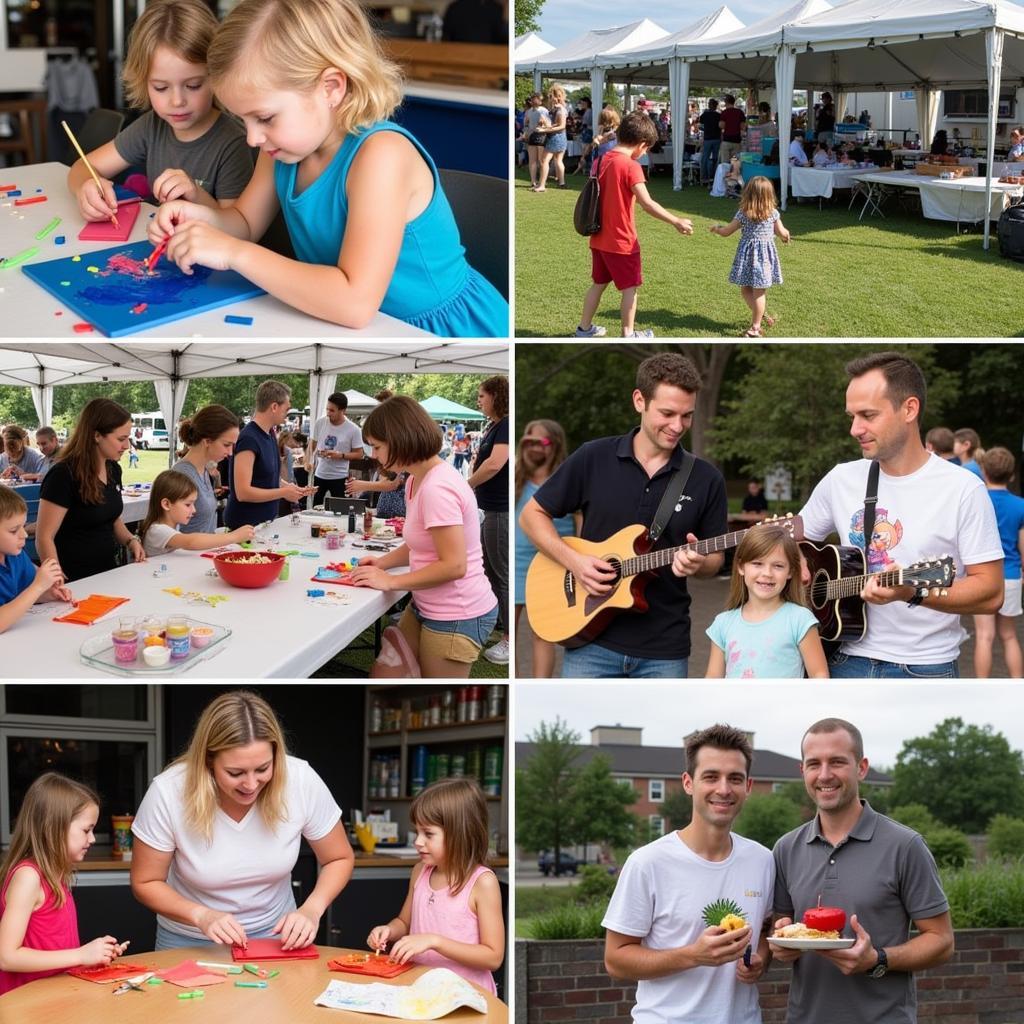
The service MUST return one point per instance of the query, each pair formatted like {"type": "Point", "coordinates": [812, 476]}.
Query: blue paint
{"type": "Point", "coordinates": [106, 299]}
{"type": "Point", "coordinates": [245, 321]}
{"type": "Point", "coordinates": [59, 240]}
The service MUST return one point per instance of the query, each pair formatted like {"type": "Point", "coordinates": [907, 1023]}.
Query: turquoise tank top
{"type": "Point", "coordinates": [433, 286]}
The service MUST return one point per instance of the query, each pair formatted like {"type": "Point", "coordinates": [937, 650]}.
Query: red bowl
{"type": "Point", "coordinates": [234, 569]}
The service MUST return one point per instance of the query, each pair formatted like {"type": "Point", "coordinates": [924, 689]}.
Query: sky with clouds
{"type": "Point", "coordinates": [887, 713]}
{"type": "Point", "coordinates": [562, 20]}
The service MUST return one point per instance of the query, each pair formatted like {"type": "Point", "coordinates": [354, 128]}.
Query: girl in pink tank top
{"type": "Point", "coordinates": [38, 922]}
{"type": "Point", "coordinates": [452, 914]}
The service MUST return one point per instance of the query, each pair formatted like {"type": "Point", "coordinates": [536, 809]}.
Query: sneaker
{"type": "Point", "coordinates": [641, 334]}
{"type": "Point", "coordinates": [593, 331]}
{"type": "Point", "coordinates": [497, 654]}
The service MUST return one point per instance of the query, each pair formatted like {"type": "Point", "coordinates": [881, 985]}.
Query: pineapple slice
{"type": "Point", "coordinates": [732, 922]}
{"type": "Point", "coordinates": [717, 912]}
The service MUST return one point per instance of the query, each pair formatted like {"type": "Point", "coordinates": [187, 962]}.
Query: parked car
{"type": "Point", "coordinates": [567, 863]}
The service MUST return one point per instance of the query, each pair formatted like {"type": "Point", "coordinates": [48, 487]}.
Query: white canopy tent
{"type": "Point", "coordinates": [42, 366]}
{"type": "Point", "coordinates": [529, 46]}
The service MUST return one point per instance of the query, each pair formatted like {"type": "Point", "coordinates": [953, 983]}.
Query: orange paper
{"type": "Point", "coordinates": [375, 966]}
{"type": "Point", "coordinates": [91, 608]}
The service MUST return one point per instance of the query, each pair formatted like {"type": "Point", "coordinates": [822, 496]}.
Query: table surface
{"type": "Point", "coordinates": [276, 631]}
{"type": "Point", "coordinates": [907, 179]}
{"type": "Point", "coordinates": [30, 310]}
{"type": "Point", "coordinates": [287, 999]}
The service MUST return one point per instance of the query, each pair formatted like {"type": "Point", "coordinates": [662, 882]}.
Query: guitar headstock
{"type": "Point", "coordinates": [791, 523]}
{"type": "Point", "coordinates": [932, 576]}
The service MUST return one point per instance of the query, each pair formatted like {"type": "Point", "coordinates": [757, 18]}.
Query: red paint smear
{"type": "Point", "coordinates": [119, 263]}
{"type": "Point", "coordinates": [141, 307]}
{"type": "Point", "coordinates": [59, 313]}
{"type": "Point", "coordinates": [83, 328]}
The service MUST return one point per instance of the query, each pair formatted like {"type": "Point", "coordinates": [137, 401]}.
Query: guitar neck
{"type": "Point", "coordinates": [851, 586]}
{"type": "Point", "coordinates": [656, 559]}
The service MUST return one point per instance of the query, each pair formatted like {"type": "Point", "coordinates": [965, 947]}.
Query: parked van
{"type": "Point", "coordinates": [149, 431]}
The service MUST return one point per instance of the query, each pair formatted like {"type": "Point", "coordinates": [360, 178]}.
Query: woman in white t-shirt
{"type": "Point", "coordinates": [217, 835]}
{"type": "Point", "coordinates": [453, 608]}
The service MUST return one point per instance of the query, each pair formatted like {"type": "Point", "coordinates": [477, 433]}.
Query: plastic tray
{"type": "Point", "coordinates": [98, 651]}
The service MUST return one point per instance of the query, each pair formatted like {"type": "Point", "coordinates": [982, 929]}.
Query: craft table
{"type": "Point", "coordinates": [287, 999]}
{"type": "Point", "coordinates": [31, 312]}
{"type": "Point", "coordinates": [820, 182]}
{"type": "Point", "coordinates": [276, 631]}
{"type": "Point", "coordinates": [958, 199]}
{"type": "Point", "coordinates": [135, 507]}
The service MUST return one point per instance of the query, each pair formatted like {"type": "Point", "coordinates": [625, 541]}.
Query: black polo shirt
{"type": "Point", "coordinates": [603, 480]}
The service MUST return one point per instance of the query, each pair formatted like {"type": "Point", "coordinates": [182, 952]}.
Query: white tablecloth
{"type": "Point", "coordinates": [820, 181]}
{"type": "Point", "coordinates": [961, 200]}
{"type": "Point", "coordinates": [135, 507]}
{"type": "Point", "coordinates": [29, 311]}
{"type": "Point", "coordinates": [276, 631]}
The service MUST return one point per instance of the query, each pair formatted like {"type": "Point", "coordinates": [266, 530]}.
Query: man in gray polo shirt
{"type": "Point", "coordinates": [880, 872]}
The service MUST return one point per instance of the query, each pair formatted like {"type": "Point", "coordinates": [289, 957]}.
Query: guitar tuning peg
{"type": "Point", "coordinates": [943, 592]}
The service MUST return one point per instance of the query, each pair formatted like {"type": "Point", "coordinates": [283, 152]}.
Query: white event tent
{"type": "Point", "coordinates": [42, 366]}
{"type": "Point", "coordinates": [529, 46]}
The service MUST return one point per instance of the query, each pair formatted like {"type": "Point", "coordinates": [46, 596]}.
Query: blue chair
{"type": "Point", "coordinates": [30, 492]}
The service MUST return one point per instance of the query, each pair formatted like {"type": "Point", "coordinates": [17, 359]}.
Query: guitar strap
{"type": "Point", "coordinates": [672, 499]}
{"type": "Point", "coordinates": [870, 501]}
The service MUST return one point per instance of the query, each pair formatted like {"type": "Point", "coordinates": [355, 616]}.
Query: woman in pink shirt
{"type": "Point", "coordinates": [453, 608]}
{"type": "Point", "coordinates": [38, 922]}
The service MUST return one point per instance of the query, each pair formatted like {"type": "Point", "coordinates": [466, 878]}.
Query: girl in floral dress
{"type": "Point", "coordinates": [756, 266]}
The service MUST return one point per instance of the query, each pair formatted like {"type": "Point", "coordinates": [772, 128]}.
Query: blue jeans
{"type": "Point", "coordinates": [594, 662]}
{"type": "Point", "coordinates": [853, 666]}
{"type": "Point", "coordinates": [709, 158]}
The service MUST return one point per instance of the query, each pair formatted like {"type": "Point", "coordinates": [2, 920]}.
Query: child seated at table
{"type": "Point", "coordinates": [172, 503]}
{"type": "Point", "coordinates": [734, 178]}
{"type": "Point", "coordinates": [822, 155]}
{"type": "Point", "coordinates": [22, 584]}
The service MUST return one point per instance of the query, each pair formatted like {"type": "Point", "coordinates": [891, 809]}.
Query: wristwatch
{"type": "Point", "coordinates": [881, 968]}
{"type": "Point", "coordinates": [915, 600]}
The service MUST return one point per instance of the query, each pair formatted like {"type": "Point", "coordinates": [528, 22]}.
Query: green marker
{"type": "Point", "coordinates": [49, 227]}
{"type": "Point", "coordinates": [155, 981]}
{"type": "Point", "coordinates": [250, 984]}
{"type": "Point", "coordinates": [22, 257]}
{"type": "Point", "coordinates": [197, 993]}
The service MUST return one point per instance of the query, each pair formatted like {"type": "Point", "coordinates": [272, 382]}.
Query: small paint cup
{"type": "Point", "coordinates": [156, 656]}
{"type": "Point", "coordinates": [314, 530]}
{"type": "Point", "coordinates": [333, 540]}
{"type": "Point", "coordinates": [178, 637]}
{"type": "Point", "coordinates": [126, 645]}
{"type": "Point", "coordinates": [201, 636]}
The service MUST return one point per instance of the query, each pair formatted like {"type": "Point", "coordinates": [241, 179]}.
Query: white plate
{"type": "Point", "coordinates": [811, 943]}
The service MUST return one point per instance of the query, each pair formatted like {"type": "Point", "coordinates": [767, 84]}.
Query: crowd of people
{"type": "Point", "coordinates": [239, 474]}
{"type": "Point", "coordinates": [766, 629]}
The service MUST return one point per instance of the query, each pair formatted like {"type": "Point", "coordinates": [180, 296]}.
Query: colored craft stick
{"type": "Point", "coordinates": [197, 993]}
{"type": "Point", "coordinates": [84, 328]}
{"type": "Point", "coordinates": [154, 256]}
{"type": "Point", "coordinates": [49, 227]}
{"type": "Point", "coordinates": [245, 321]}
{"type": "Point", "coordinates": [88, 166]}
{"type": "Point", "coordinates": [30, 200]}
{"type": "Point", "coordinates": [14, 192]}
{"type": "Point", "coordinates": [7, 188]}
{"type": "Point", "coordinates": [217, 965]}
{"type": "Point", "coordinates": [250, 984]}
{"type": "Point", "coordinates": [21, 257]}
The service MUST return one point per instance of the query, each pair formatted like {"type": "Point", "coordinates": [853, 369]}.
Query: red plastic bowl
{"type": "Point", "coordinates": [235, 570]}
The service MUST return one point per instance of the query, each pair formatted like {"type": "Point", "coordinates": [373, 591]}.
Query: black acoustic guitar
{"type": "Point", "coordinates": [838, 575]}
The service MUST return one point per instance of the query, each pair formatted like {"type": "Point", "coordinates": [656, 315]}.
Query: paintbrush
{"type": "Point", "coordinates": [88, 166]}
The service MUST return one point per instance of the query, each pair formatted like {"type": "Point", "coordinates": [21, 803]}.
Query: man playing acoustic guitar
{"type": "Point", "coordinates": [926, 508]}
{"type": "Point", "coordinates": [619, 481]}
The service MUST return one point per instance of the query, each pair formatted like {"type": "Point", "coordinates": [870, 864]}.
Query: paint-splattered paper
{"type": "Point", "coordinates": [432, 995]}
{"type": "Point", "coordinates": [112, 289]}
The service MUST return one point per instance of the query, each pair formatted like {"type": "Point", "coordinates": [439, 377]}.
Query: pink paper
{"type": "Point", "coordinates": [104, 231]}
{"type": "Point", "coordinates": [190, 975]}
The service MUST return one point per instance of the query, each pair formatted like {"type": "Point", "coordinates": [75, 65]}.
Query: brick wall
{"type": "Point", "coordinates": [566, 981]}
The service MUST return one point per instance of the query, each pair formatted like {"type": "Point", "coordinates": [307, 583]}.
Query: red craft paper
{"type": "Point", "coordinates": [104, 231]}
{"type": "Point", "coordinates": [91, 608]}
{"type": "Point", "coordinates": [189, 974]}
{"type": "Point", "coordinates": [375, 966]}
{"type": "Point", "coordinates": [102, 974]}
{"type": "Point", "coordinates": [270, 949]}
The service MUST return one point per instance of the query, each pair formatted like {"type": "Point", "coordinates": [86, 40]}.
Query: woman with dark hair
{"type": "Point", "coordinates": [452, 611]}
{"type": "Point", "coordinates": [490, 481]}
{"type": "Point", "coordinates": [210, 436]}
{"type": "Point", "coordinates": [80, 509]}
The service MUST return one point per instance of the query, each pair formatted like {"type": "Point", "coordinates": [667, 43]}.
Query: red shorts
{"type": "Point", "coordinates": [622, 268]}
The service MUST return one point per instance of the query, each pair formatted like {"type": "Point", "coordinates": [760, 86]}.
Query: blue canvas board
{"type": "Point", "coordinates": [112, 290]}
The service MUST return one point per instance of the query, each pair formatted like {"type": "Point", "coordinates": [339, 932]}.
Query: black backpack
{"type": "Point", "coordinates": [586, 218]}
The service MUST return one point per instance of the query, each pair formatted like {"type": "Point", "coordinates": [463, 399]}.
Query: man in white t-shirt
{"type": "Point", "coordinates": [657, 935]}
{"type": "Point", "coordinates": [927, 507]}
{"type": "Point", "coordinates": [334, 441]}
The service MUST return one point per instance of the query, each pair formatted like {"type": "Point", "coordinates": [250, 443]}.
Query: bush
{"type": "Point", "coordinates": [539, 899]}
{"type": "Point", "coordinates": [766, 817]}
{"type": "Point", "coordinates": [569, 922]}
{"type": "Point", "coordinates": [595, 885]}
{"type": "Point", "coordinates": [949, 847]}
{"type": "Point", "coordinates": [915, 816]}
{"type": "Point", "coordinates": [991, 896]}
{"type": "Point", "coordinates": [1006, 837]}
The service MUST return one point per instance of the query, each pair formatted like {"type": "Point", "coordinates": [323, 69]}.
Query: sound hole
{"type": "Point", "coordinates": [616, 563]}
{"type": "Point", "coordinates": [819, 589]}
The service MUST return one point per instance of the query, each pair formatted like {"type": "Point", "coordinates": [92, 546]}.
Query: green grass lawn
{"type": "Point", "coordinates": [903, 276]}
{"type": "Point", "coordinates": [150, 463]}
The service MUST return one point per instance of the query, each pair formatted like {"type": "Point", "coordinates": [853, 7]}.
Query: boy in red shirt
{"type": "Point", "coordinates": [615, 250]}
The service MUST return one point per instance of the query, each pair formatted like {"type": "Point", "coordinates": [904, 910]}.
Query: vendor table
{"type": "Point", "coordinates": [287, 998]}
{"type": "Point", "coordinates": [277, 631]}
{"type": "Point", "coordinates": [957, 199]}
{"type": "Point", "coordinates": [30, 310]}
{"type": "Point", "coordinates": [135, 507]}
{"type": "Point", "coordinates": [813, 182]}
